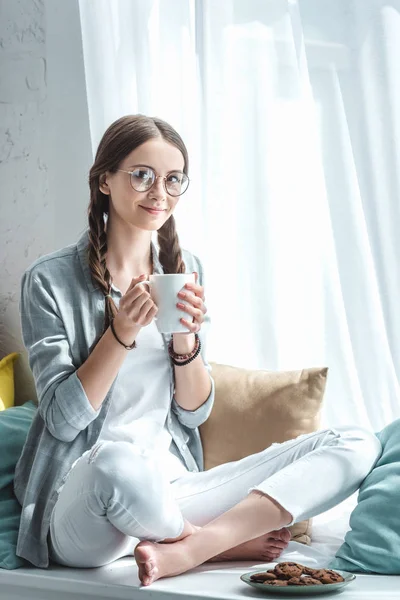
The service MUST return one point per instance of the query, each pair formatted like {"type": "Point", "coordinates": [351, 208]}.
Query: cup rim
{"type": "Point", "coordinates": [170, 274]}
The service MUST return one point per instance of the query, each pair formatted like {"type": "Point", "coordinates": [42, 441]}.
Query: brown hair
{"type": "Point", "coordinates": [121, 138]}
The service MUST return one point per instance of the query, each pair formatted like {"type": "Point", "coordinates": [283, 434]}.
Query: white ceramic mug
{"type": "Point", "coordinates": [164, 290]}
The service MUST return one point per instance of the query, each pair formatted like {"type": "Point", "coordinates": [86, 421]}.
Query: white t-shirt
{"type": "Point", "coordinates": [141, 400]}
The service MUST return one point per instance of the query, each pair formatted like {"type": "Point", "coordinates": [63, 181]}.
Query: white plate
{"type": "Point", "coordinates": [299, 590]}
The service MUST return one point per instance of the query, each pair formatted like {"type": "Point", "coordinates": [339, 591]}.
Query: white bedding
{"type": "Point", "coordinates": [214, 581]}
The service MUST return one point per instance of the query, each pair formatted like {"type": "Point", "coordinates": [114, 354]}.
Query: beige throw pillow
{"type": "Point", "coordinates": [255, 408]}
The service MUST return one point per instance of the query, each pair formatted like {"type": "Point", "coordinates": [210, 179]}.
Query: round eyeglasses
{"type": "Point", "coordinates": [143, 178]}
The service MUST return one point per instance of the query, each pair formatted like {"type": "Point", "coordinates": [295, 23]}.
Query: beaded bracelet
{"type": "Point", "coordinates": [131, 347]}
{"type": "Point", "coordinates": [174, 354]}
{"type": "Point", "coordinates": [189, 360]}
{"type": "Point", "coordinates": [184, 359]}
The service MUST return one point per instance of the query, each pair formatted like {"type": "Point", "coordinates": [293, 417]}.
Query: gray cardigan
{"type": "Point", "coordinates": [62, 315]}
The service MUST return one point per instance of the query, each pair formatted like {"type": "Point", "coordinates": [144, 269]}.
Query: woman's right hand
{"type": "Point", "coordinates": [136, 308]}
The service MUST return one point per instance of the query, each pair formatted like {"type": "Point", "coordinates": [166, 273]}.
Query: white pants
{"type": "Point", "coordinates": [116, 494]}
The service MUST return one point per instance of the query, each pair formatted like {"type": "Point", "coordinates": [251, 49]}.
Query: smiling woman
{"type": "Point", "coordinates": [146, 190]}
{"type": "Point", "coordinates": [101, 277]}
{"type": "Point", "coordinates": [114, 452]}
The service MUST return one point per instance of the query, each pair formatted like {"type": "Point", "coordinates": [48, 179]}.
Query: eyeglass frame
{"type": "Point", "coordinates": [163, 177]}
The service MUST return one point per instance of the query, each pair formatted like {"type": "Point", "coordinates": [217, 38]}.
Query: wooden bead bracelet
{"type": "Point", "coordinates": [184, 359]}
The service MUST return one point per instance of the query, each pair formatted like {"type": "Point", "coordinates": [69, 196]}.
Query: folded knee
{"type": "Point", "coordinates": [363, 447]}
{"type": "Point", "coordinates": [121, 462]}
{"type": "Point", "coordinates": [129, 476]}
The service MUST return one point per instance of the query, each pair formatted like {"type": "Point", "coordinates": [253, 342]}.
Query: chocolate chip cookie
{"type": "Point", "coordinates": [264, 576]}
{"type": "Point", "coordinates": [327, 576]}
{"type": "Point", "coordinates": [287, 570]}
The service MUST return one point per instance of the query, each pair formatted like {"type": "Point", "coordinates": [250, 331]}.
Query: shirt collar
{"type": "Point", "coordinates": [83, 253]}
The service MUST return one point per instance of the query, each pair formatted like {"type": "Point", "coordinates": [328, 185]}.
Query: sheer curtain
{"type": "Point", "coordinates": [289, 109]}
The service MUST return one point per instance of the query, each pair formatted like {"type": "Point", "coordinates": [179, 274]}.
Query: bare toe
{"type": "Point", "coordinates": [149, 568]}
{"type": "Point", "coordinates": [283, 535]}
{"type": "Point", "coordinates": [145, 560]}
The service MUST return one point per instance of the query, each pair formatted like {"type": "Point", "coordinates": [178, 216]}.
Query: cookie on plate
{"type": "Point", "coordinates": [296, 581]}
{"type": "Point", "coordinates": [287, 570]}
{"type": "Point", "coordinates": [264, 576]}
{"type": "Point", "coordinates": [311, 581]}
{"type": "Point", "coordinates": [327, 576]}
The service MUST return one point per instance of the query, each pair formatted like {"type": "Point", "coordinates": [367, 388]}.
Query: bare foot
{"type": "Point", "coordinates": [160, 560]}
{"type": "Point", "coordinates": [156, 560]}
{"type": "Point", "coordinates": [267, 547]}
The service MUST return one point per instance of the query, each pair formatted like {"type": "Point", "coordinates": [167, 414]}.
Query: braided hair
{"type": "Point", "coordinates": [119, 140]}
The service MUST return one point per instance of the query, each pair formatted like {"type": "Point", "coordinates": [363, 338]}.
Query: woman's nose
{"type": "Point", "coordinates": [158, 190]}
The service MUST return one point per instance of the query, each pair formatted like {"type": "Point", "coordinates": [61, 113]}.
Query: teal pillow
{"type": "Point", "coordinates": [373, 544]}
{"type": "Point", "coordinates": [14, 426]}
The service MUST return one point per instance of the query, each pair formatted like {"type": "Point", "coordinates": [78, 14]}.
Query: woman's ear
{"type": "Point", "coordinates": [103, 185]}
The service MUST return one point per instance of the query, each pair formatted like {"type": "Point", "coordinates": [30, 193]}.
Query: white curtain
{"type": "Point", "coordinates": [290, 111]}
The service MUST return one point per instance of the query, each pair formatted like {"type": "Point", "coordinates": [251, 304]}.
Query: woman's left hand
{"type": "Point", "coordinates": [194, 295]}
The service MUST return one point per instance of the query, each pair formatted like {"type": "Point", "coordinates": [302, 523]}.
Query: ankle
{"type": "Point", "coordinates": [188, 529]}
{"type": "Point", "coordinates": [280, 514]}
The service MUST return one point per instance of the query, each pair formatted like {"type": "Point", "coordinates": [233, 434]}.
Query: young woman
{"type": "Point", "coordinates": [113, 455]}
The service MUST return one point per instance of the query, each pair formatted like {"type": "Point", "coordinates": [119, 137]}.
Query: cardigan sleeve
{"type": "Point", "coordinates": [63, 403]}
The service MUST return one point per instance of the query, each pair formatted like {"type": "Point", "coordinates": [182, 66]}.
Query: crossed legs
{"type": "Point", "coordinates": [291, 481]}
{"type": "Point", "coordinates": [116, 495]}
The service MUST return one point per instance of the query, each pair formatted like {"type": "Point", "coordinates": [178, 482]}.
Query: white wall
{"type": "Point", "coordinates": [45, 151]}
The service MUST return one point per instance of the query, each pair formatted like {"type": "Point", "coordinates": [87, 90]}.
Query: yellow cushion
{"type": "Point", "coordinates": [7, 381]}
{"type": "Point", "coordinates": [255, 408]}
